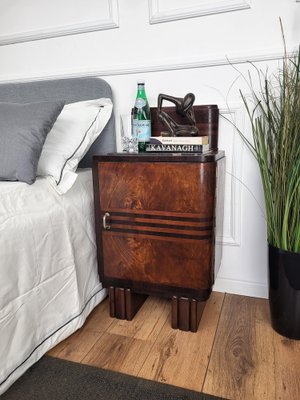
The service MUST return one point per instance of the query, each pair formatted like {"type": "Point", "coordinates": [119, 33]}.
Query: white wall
{"type": "Point", "coordinates": [177, 47]}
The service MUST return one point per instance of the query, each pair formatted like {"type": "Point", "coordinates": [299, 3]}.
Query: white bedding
{"type": "Point", "coordinates": [48, 270]}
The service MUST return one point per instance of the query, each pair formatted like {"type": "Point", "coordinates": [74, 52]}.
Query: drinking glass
{"type": "Point", "coordinates": [128, 139]}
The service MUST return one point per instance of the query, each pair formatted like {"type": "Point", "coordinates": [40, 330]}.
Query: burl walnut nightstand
{"type": "Point", "coordinates": [156, 217]}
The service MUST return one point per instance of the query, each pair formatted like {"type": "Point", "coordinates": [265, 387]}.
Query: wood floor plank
{"type": "Point", "coordinates": [55, 351]}
{"type": "Point", "coordinates": [147, 323]}
{"type": "Point", "coordinates": [287, 368]}
{"type": "Point", "coordinates": [76, 346]}
{"type": "Point", "coordinates": [242, 361]}
{"type": "Point", "coordinates": [181, 358]}
{"type": "Point", "coordinates": [99, 320]}
{"type": "Point", "coordinates": [239, 357]}
{"type": "Point", "coordinates": [118, 353]}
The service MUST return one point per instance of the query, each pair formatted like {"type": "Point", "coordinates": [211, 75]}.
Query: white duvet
{"type": "Point", "coordinates": [48, 271]}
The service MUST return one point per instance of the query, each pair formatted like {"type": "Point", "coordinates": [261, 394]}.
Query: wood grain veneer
{"type": "Point", "coordinates": [160, 211]}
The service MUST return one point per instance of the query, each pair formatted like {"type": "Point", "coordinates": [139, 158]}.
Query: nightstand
{"type": "Point", "coordinates": [156, 218]}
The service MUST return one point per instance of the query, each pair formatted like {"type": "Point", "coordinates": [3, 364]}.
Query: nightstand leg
{"type": "Point", "coordinates": [123, 303]}
{"type": "Point", "coordinates": [186, 313]}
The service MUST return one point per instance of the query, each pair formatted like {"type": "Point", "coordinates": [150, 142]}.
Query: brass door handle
{"type": "Point", "coordinates": [105, 225]}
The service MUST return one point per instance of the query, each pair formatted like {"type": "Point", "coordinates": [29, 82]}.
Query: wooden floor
{"type": "Point", "coordinates": [235, 354]}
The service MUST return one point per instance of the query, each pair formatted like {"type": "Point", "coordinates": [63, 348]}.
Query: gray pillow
{"type": "Point", "coordinates": [23, 130]}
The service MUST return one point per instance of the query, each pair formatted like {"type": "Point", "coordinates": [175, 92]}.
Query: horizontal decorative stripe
{"type": "Point", "coordinates": [160, 221]}
{"type": "Point", "coordinates": [158, 225]}
{"type": "Point", "coordinates": [162, 231]}
{"type": "Point", "coordinates": [163, 217]}
{"type": "Point", "coordinates": [167, 234]}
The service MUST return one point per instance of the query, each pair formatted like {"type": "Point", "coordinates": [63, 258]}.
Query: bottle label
{"type": "Point", "coordinates": [140, 103]}
{"type": "Point", "coordinates": [142, 129]}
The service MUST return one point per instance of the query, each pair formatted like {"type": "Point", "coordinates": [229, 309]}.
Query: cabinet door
{"type": "Point", "coordinates": [161, 223]}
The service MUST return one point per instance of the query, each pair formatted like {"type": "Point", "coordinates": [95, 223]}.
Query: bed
{"type": "Point", "coordinates": [48, 268]}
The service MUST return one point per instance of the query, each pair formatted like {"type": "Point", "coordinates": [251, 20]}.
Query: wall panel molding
{"type": "Point", "coordinates": [110, 21]}
{"type": "Point", "coordinates": [158, 15]}
{"type": "Point", "coordinates": [136, 68]}
{"type": "Point", "coordinates": [233, 147]}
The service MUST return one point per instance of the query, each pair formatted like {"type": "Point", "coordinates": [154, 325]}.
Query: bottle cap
{"type": "Point", "coordinates": [141, 82]}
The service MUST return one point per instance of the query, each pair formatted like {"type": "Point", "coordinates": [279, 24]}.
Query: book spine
{"type": "Point", "coordinates": [180, 148]}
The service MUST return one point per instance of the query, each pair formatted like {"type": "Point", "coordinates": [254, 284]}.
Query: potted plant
{"type": "Point", "coordinates": [274, 112]}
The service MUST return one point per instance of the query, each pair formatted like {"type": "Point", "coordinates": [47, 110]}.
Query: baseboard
{"type": "Point", "coordinates": [252, 289]}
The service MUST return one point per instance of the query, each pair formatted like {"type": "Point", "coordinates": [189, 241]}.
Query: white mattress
{"type": "Point", "coordinates": [48, 269]}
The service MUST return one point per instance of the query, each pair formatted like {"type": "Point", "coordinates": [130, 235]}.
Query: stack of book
{"type": "Point", "coordinates": [178, 144]}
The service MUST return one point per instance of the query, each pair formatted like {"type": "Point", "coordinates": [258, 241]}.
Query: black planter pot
{"type": "Point", "coordinates": [284, 292]}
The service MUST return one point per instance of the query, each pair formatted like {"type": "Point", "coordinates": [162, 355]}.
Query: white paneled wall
{"type": "Point", "coordinates": [170, 10]}
{"type": "Point", "coordinates": [177, 47]}
{"type": "Point", "coordinates": [24, 21]}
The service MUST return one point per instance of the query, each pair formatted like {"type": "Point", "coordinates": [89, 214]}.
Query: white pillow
{"type": "Point", "coordinates": [73, 133]}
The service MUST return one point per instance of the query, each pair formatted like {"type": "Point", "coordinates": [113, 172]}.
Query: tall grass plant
{"type": "Point", "coordinates": [274, 113]}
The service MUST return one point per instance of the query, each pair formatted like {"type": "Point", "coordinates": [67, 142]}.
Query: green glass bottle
{"type": "Point", "coordinates": [141, 118]}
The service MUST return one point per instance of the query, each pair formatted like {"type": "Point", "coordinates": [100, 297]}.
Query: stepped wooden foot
{"type": "Point", "coordinates": [123, 304]}
{"type": "Point", "coordinates": [186, 313]}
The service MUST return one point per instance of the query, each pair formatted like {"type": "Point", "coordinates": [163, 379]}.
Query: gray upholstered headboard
{"type": "Point", "coordinates": [70, 90]}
